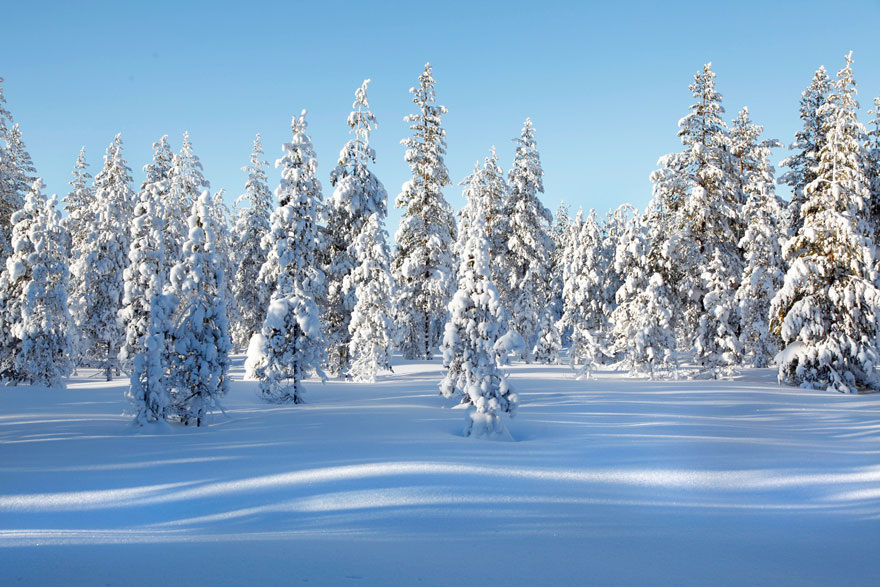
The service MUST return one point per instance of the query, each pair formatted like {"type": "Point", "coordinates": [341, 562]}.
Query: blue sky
{"type": "Point", "coordinates": [605, 85]}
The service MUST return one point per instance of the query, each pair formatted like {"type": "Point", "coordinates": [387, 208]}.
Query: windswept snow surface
{"type": "Point", "coordinates": [608, 481]}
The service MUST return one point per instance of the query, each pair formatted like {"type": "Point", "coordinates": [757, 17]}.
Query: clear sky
{"type": "Point", "coordinates": [604, 85]}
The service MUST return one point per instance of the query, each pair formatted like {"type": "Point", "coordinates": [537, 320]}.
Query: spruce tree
{"type": "Point", "coordinates": [145, 276]}
{"type": "Point", "coordinates": [291, 342]}
{"type": "Point", "coordinates": [697, 206]}
{"type": "Point", "coordinates": [199, 341]}
{"type": "Point", "coordinates": [17, 175]}
{"type": "Point", "coordinates": [476, 323]}
{"type": "Point", "coordinates": [808, 142]}
{"type": "Point", "coordinates": [185, 183]}
{"type": "Point", "coordinates": [828, 309]}
{"type": "Point", "coordinates": [764, 269]}
{"type": "Point", "coordinates": [252, 225]}
{"type": "Point", "coordinates": [358, 194]}
{"type": "Point", "coordinates": [529, 252]}
{"type": "Point", "coordinates": [36, 343]}
{"type": "Point", "coordinates": [872, 165]}
{"type": "Point", "coordinates": [78, 203]}
{"type": "Point", "coordinates": [99, 263]}
{"type": "Point", "coordinates": [423, 266]}
{"type": "Point", "coordinates": [372, 324]}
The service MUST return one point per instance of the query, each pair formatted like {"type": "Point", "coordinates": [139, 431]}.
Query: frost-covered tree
{"type": "Point", "coordinates": [717, 347]}
{"type": "Point", "coordinates": [35, 343]}
{"type": "Point", "coordinates": [145, 277]}
{"type": "Point", "coordinates": [99, 263]}
{"type": "Point", "coordinates": [803, 165]}
{"type": "Point", "coordinates": [828, 309]}
{"type": "Point", "coordinates": [148, 391]}
{"type": "Point", "coordinates": [423, 266]}
{"type": "Point", "coordinates": [485, 192]}
{"type": "Point", "coordinates": [17, 175]}
{"type": "Point", "coordinates": [644, 333]}
{"type": "Point", "coordinates": [358, 194]}
{"type": "Point", "coordinates": [291, 342]}
{"type": "Point", "coordinates": [372, 323]}
{"type": "Point", "coordinates": [872, 165]}
{"type": "Point", "coordinates": [157, 185]}
{"type": "Point", "coordinates": [764, 269]}
{"type": "Point", "coordinates": [585, 298]}
{"type": "Point", "coordinates": [559, 235]}
{"type": "Point", "coordinates": [476, 324]}
{"type": "Point", "coordinates": [185, 184]}
{"type": "Point", "coordinates": [225, 253]}
{"type": "Point", "coordinates": [199, 340]}
{"type": "Point", "coordinates": [78, 203]}
{"type": "Point", "coordinates": [527, 263]}
{"type": "Point", "coordinates": [697, 205]}
{"type": "Point", "coordinates": [253, 223]}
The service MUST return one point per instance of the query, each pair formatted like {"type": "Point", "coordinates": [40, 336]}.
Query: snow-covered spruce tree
{"type": "Point", "coordinates": [584, 296]}
{"type": "Point", "coordinates": [253, 223]}
{"type": "Point", "coordinates": [803, 164]}
{"type": "Point", "coordinates": [226, 254]}
{"type": "Point", "coordinates": [78, 203]}
{"type": "Point", "coordinates": [36, 344]}
{"type": "Point", "coordinates": [185, 183]}
{"type": "Point", "coordinates": [568, 247]}
{"type": "Point", "coordinates": [872, 165]}
{"type": "Point", "coordinates": [17, 175]}
{"type": "Point", "coordinates": [765, 267]}
{"type": "Point", "coordinates": [358, 194]}
{"type": "Point", "coordinates": [643, 319]}
{"type": "Point", "coordinates": [485, 192]}
{"type": "Point", "coordinates": [559, 236]}
{"type": "Point", "coordinates": [372, 323]}
{"type": "Point", "coordinates": [476, 323]}
{"type": "Point", "coordinates": [291, 343]}
{"type": "Point", "coordinates": [199, 342]}
{"type": "Point", "coordinates": [717, 347]}
{"type": "Point", "coordinates": [423, 266]}
{"type": "Point", "coordinates": [828, 309]}
{"type": "Point", "coordinates": [145, 276]}
{"type": "Point", "coordinates": [148, 390]}
{"type": "Point", "coordinates": [697, 206]}
{"type": "Point", "coordinates": [528, 258]}
{"type": "Point", "coordinates": [99, 263]}
{"type": "Point", "coordinates": [613, 231]}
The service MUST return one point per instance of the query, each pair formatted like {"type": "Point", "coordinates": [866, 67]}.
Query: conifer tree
{"type": "Point", "coordinates": [291, 344]}
{"type": "Point", "coordinates": [528, 256]}
{"type": "Point", "coordinates": [423, 267]}
{"type": "Point", "coordinates": [17, 175]}
{"type": "Point", "coordinates": [185, 183]}
{"type": "Point", "coordinates": [145, 276]}
{"type": "Point", "coordinates": [764, 270]}
{"type": "Point", "coordinates": [358, 194]}
{"type": "Point", "coordinates": [225, 252]}
{"type": "Point", "coordinates": [697, 206]}
{"type": "Point", "coordinates": [476, 323]}
{"type": "Point", "coordinates": [199, 342]}
{"type": "Point", "coordinates": [35, 344]}
{"type": "Point", "coordinates": [148, 391]}
{"type": "Point", "coordinates": [100, 261]}
{"type": "Point", "coordinates": [872, 165]}
{"type": "Point", "coordinates": [808, 142]}
{"type": "Point", "coordinates": [643, 328]}
{"type": "Point", "coordinates": [586, 309]}
{"type": "Point", "coordinates": [78, 203]}
{"type": "Point", "coordinates": [372, 325]}
{"type": "Point", "coordinates": [828, 309]}
{"type": "Point", "coordinates": [252, 225]}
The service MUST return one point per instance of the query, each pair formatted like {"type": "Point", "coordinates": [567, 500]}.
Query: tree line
{"type": "Point", "coordinates": [716, 274]}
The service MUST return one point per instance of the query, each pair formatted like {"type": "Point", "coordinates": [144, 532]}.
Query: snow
{"type": "Point", "coordinates": [611, 480]}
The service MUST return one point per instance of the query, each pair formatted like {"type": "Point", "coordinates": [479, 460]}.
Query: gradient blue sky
{"type": "Point", "coordinates": [605, 85]}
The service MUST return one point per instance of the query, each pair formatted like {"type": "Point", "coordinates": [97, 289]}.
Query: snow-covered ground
{"type": "Point", "coordinates": [609, 481]}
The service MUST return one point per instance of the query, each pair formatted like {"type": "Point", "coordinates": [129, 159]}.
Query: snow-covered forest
{"type": "Point", "coordinates": [161, 282]}
{"type": "Point", "coordinates": [265, 336]}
